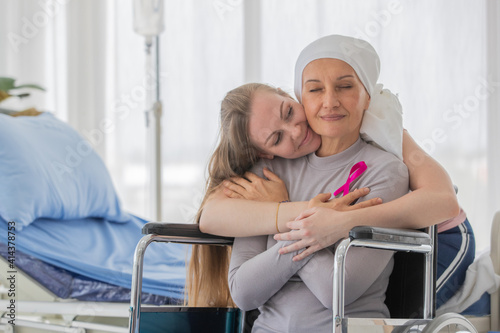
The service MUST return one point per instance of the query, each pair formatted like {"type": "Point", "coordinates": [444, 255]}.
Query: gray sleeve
{"type": "Point", "coordinates": [318, 276]}
{"type": "Point", "coordinates": [257, 273]}
{"type": "Point", "coordinates": [388, 180]}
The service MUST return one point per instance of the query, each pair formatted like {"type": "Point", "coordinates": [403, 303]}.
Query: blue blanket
{"type": "Point", "coordinates": [104, 251]}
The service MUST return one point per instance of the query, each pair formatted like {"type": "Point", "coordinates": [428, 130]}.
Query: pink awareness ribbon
{"type": "Point", "coordinates": [356, 171]}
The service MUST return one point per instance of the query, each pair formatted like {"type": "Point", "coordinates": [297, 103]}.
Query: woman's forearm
{"type": "Point", "coordinates": [415, 210]}
{"type": "Point", "coordinates": [242, 218]}
{"type": "Point", "coordinates": [433, 199]}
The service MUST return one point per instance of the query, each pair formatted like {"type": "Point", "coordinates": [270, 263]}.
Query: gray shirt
{"type": "Point", "coordinates": [297, 296]}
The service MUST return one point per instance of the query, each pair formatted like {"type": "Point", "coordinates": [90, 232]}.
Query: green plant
{"type": "Point", "coordinates": [7, 86]}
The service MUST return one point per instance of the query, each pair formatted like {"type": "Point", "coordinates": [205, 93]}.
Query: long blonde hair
{"type": "Point", "coordinates": [206, 282]}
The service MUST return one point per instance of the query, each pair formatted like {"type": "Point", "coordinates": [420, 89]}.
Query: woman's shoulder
{"type": "Point", "coordinates": [381, 163]}
{"type": "Point", "coordinates": [278, 165]}
{"type": "Point", "coordinates": [379, 154]}
{"type": "Point", "coordinates": [386, 175]}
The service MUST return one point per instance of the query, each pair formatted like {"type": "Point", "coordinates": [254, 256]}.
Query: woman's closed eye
{"type": "Point", "coordinates": [345, 83]}
{"type": "Point", "coordinates": [288, 117]}
{"type": "Point", "coordinates": [278, 139]}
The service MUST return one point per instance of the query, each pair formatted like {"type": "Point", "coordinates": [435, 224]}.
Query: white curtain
{"type": "Point", "coordinates": [441, 57]}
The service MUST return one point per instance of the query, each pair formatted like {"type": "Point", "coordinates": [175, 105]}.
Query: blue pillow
{"type": "Point", "coordinates": [48, 170]}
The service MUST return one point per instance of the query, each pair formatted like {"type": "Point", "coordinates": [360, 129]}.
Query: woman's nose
{"type": "Point", "coordinates": [295, 130]}
{"type": "Point", "coordinates": [330, 99]}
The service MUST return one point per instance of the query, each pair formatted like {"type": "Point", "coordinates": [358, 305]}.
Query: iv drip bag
{"type": "Point", "coordinates": [148, 17]}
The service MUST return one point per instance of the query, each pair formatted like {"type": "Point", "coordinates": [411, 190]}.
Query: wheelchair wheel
{"type": "Point", "coordinates": [449, 322]}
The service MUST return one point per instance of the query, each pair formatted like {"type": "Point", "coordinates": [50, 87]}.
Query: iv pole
{"type": "Point", "coordinates": [148, 22]}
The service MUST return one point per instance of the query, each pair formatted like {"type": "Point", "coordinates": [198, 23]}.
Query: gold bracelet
{"type": "Point", "coordinates": [277, 210]}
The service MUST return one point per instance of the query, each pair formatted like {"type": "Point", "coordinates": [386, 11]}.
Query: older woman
{"type": "Point", "coordinates": [295, 296]}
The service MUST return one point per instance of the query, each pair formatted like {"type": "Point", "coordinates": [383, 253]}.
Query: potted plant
{"type": "Point", "coordinates": [8, 89]}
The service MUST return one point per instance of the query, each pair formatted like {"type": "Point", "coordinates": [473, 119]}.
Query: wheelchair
{"type": "Point", "coordinates": [410, 295]}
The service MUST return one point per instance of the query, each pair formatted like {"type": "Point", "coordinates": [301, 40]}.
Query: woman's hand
{"type": "Point", "coordinates": [344, 203]}
{"type": "Point", "coordinates": [253, 187]}
{"type": "Point", "coordinates": [324, 224]}
{"type": "Point", "coordinates": [313, 230]}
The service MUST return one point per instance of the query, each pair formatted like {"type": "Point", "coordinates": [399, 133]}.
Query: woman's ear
{"type": "Point", "coordinates": [267, 156]}
{"type": "Point", "coordinates": [367, 104]}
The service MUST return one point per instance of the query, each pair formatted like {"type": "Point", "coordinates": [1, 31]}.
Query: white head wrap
{"type": "Point", "coordinates": [383, 121]}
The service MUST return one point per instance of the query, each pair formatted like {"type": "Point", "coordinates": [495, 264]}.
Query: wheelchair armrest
{"type": "Point", "coordinates": [187, 231]}
{"type": "Point", "coordinates": [391, 235]}
{"type": "Point", "coordinates": [404, 241]}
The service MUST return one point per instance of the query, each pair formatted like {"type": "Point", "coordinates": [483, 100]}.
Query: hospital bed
{"type": "Point", "coordinates": [63, 291]}
{"type": "Point", "coordinates": [66, 245]}
{"type": "Point", "coordinates": [410, 296]}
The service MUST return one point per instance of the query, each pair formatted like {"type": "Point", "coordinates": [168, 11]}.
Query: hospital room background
{"type": "Point", "coordinates": [441, 57]}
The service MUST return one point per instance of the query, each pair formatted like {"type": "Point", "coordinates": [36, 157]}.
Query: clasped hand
{"type": "Point", "coordinates": [324, 223]}
{"type": "Point", "coordinates": [253, 187]}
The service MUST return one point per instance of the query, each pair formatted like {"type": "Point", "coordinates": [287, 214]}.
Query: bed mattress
{"type": "Point", "coordinates": [92, 258]}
